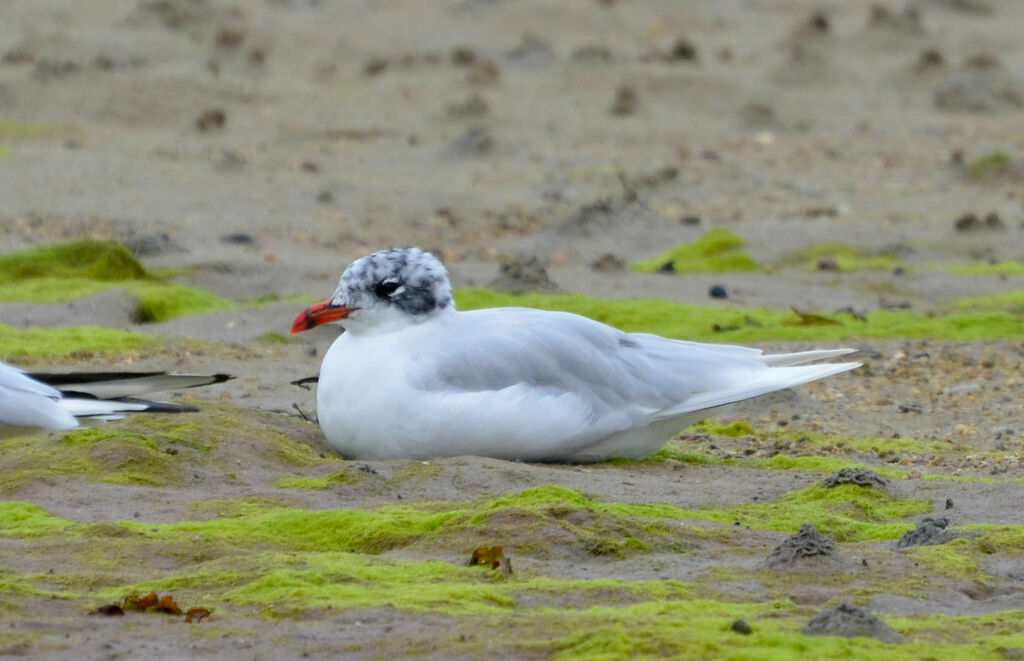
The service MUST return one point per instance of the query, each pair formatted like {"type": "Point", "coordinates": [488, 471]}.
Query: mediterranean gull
{"type": "Point", "coordinates": [411, 377]}
{"type": "Point", "coordinates": [57, 401]}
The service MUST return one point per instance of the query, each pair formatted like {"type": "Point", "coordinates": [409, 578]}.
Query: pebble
{"type": "Point", "coordinates": [741, 627]}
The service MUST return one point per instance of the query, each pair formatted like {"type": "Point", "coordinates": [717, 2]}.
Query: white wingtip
{"type": "Point", "coordinates": [804, 357]}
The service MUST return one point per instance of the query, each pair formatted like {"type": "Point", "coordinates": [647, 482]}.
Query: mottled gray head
{"type": "Point", "coordinates": [406, 280]}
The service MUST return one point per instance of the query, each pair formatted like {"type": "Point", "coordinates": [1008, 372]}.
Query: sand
{"type": "Point", "coordinates": [317, 131]}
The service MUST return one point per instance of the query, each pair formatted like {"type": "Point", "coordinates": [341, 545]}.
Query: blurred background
{"type": "Point", "coordinates": [848, 155]}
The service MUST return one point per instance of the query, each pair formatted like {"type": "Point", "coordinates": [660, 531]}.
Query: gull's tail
{"type": "Point", "coordinates": [784, 371]}
{"type": "Point", "coordinates": [111, 395]}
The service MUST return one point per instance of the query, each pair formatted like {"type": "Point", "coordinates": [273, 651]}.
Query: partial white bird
{"type": "Point", "coordinates": [413, 377]}
{"type": "Point", "coordinates": [57, 401]}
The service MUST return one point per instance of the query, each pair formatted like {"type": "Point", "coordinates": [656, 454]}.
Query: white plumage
{"type": "Point", "coordinates": [410, 379]}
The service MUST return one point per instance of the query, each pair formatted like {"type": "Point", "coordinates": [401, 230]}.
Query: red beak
{"type": "Point", "coordinates": [320, 313]}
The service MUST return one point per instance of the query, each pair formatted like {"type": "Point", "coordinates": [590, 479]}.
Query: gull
{"type": "Point", "coordinates": [30, 402]}
{"type": "Point", "coordinates": [412, 377]}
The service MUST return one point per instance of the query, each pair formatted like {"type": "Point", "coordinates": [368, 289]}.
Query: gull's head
{"type": "Point", "coordinates": [385, 291]}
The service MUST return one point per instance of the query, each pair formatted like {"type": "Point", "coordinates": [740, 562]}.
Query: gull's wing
{"type": "Point", "coordinates": [25, 402]}
{"type": "Point", "coordinates": [522, 372]}
{"type": "Point", "coordinates": [109, 385]}
{"type": "Point", "coordinates": [54, 401]}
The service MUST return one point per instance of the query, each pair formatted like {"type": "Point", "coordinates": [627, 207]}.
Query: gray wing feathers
{"type": "Point", "coordinates": [761, 383]}
{"type": "Point", "coordinates": [26, 401]}
{"type": "Point", "coordinates": [804, 357]}
{"type": "Point", "coordinates": [129, 386]}
{"type": "Point", "coordinates": [645, 376]}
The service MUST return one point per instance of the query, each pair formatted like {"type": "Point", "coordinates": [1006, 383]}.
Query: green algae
{"type": "Point", "coordinates": [161, 301]}
{"type": "Point", "coordinates": [560, 617]}
{"type": "Point", "coordinates": [32, 344]}
{"type": "Point", "coordinates": [19, 130]}
{"type": "Point", "coordinates": [846, 258]}
{"type": "Point", "coordinates": [1004, 267]}
{"type": "Point", "coordinates": [724, 323]}
{"type": "Point", "coordinates": [734, 428]}
{"type": "Point", "coordinates": [1011, 302]}
{"type": "Point", "coordinates": [591, 526]}
{"type": "Point", "coordinates": [272, 337]}
{"type": "Point", "coordinates": [88, 260]}
{"type": "Point", "coordinates": [948, 560]}
{"type": "Point", "coordinates": [24, 520]}
{"type": "Point", "coordinates": [81, 268]}
{"type": "Point", "coordinates": [286, 562]}
{"type": "Point", "coordinates": [96, 454]}
{"type": "Point", "coordinates": [846, 512]}
{"type": "Point", "coordinates": [808, 440]}
{"type": "Point", "coordinates": [718, 249]}
{"type": "Point", "coordinates": [703, 630]}
{"type": "Point", "coordinates": [992, 165]}
{"type": "Point", "coordinates": [324, 482]}
{"type": "Point", "coordinates": [792, 449]}
{"type": "Point", "coordinates": [156, 450]}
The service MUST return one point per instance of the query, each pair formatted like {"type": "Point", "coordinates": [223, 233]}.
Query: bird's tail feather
{"type": "Point", "coordinates": [110, 385]}
{"type": "Point", "coordinates": [803, 357]}
{"type": "Point", "coordinates": [114, 409]}
{"type": "Point", "coordinates": [762, 383]}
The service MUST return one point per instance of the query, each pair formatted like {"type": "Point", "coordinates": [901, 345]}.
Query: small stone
{"type": "Point", "coordinates": [718, 291]}
{"type": "Point", "coordinates": [608, 263]}
{"type": "Point", "coordinates": [626, 101]}
{"type": "Point", "coordinates": [929, 532]}
{"type": "Point", "coordinates": [850, 621]}
{"type": "Point", "coordinates": [211, 120]}
{"type": "Point", "coordinates": [930, 59]}
{"type": "Point", "coordinates": [949, 503]}
{"type": "Point", "coordinates": [806, 543]}
{"type": "Point", "coordinates": [741, 627]}
{"type": "Point", "coordinates": [484, 72]}
{"type": "Point", "coordinates": [463, 56]}
{"type": "Point", "coordinates": [522, 274]}
{"type": "Point", "coordinates": [147, 245]}
{"type": "Point", "coordinates": [828, 264]}
{"type": "Point", "coordinates": [229, 36]}
{"type": "Point", "coordinates": [684, 51]}
{"type": "Point", "coordinates": [668, 267]}
{"type": "Point", "coordinates": [238, 238]}
{"type": "Point", "coordinates": [862, 477]}
{"type": "Point", "coordinates": [376, 66]}
{"type": "Point", "coordinates": [972, 222]}
{"type": "Point", "coordinates": [689, 220]}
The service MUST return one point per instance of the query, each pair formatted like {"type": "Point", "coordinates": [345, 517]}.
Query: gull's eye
{"type": "Point", "coordinates": [386, 288]}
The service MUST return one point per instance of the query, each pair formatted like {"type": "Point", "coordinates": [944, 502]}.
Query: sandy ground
{"type": "Point", "coordinates": [321, 130]}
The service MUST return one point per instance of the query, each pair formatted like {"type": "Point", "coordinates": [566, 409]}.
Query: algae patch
{"type": "Point", "coordinates": [80, 268]}
{"type": "Point", "coordinates": [841, 257]}
{"type": "Point", "coordinates": [718, 249]}
{"type": "Point", "coordinates": [34, 343]}
{"type": "Point", "coordinates": [741, 324]}
{"type": "Point", "coordinates": [1004, 267]}
{"type": "Point", "coordinates": [97, 454]}
{"type": "Point", "coordinates": [991, 166]}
